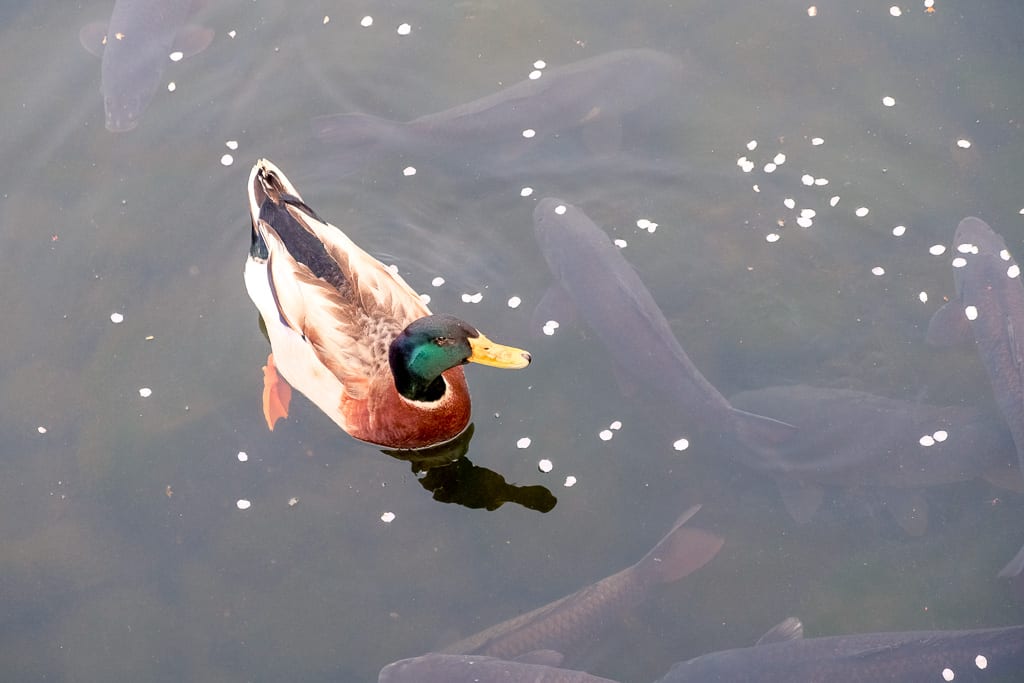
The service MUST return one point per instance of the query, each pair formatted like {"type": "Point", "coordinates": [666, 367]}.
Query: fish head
{"type": "Point", "coordinates": [130, 74]}
{"type": "Point", "coordinates": [974, 236]}
{"type": "Point", "coordinates": [128, 86]}
{"type": "Point", "coordinates": [122, 112]}
{"type": "Point", "coordinates": [975, 242]}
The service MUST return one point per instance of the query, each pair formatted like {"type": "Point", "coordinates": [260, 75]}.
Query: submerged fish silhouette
{"type": "Point", "coordinates": [989, 308]}
{"type": "Point", "coordinates": [852, 439]}
{"type": "Point", "coordinates": [597, 282]}
{"type": "Point", "coordinates": [568, 621]}
{"type": "Point", "coordinates": [783, 656]}
{"type": "Point", "coordinates": [136, 44]}
{"type": "Point", "coordinates": [592, 92]}
{"type": "Point", "coordinates": [533, 667]}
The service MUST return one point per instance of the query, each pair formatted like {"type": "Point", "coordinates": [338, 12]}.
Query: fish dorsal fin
{"type": "Point", "coordinates": [688, 513]}
{"type": "Point", "coordinates": [192, 39]}
{"type": "Point", "coordinates": [760, 431]}
{"type": "Point", "coordinates": [1005, 476]}
{"type": "Point", "coordinates": [786, 630]}
{"type": "Point", "coordinates": [1014, 567]}
{"type": "Point", "coordinates": [949, 326]}
{"type": "Point", "coordinates": [680, 553]}
{"type": "Point", "coordinates": [1014, 346]}
{"type": "Point", "coordinates": [802, 499]}
{"type": "Point", "coordinates": [93, 36]}
{"type": "Point", "coordinates": [908, 508]}
{"type": "Point", "coordinates": [557, 305]}
{"type": "Point", "coordinates": [543, 657]}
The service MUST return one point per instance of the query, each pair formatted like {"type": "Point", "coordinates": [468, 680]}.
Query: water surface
{"type": "Point", "coordinates": [126, 556]}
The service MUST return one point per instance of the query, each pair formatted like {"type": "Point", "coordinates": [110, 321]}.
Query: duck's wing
{"type": "Point", "coordinates": [334, 326]}
{"type": "Point", "coordinates": [379, 290]}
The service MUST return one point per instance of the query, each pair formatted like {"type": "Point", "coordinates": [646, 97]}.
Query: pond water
{"type": "Point", "coordinates": [132, 354]}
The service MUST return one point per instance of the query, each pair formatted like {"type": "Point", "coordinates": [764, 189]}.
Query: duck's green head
{"type": "Point", "coordinates": [435, 343]}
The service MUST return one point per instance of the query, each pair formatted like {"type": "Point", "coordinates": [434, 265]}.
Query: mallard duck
{"type": "Point", "coordinates": [350, 334]}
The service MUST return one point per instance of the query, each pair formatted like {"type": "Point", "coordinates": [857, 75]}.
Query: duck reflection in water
{"type": "Point", "coordinates": [450, 476]}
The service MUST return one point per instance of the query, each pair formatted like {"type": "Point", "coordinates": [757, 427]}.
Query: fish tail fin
{"type": "Point", "coordinates": [356, 131]}
{"type": "Point", "coordinates": [681, 552]}
{"type": "Point", "coordinates": [758, 432]}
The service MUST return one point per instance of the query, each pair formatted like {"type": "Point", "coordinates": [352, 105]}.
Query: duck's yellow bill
{"type": "Point", "coordinates": [486, 352]}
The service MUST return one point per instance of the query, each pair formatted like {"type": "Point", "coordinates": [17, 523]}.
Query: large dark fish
{"type": "Point", "coordinates": [568, 621]}
{"type": "Point", "coordinates": [441, 668]}
{"type": "Point", "coordinates": [991, 655]}
{"type": "Point", "coordinates": [136, 45]}
{"type": "Point", "coordinates": [852, 439]}
{"type": "Point", "coordinates": [598, 283]}
{"type": "Point", "coordinates": [594, 92]}
{"type": "Point", "coordinates": [989, 308]}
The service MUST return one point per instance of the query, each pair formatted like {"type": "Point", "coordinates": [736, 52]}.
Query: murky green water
{"type": "Point", "coordinates": [125, 556]}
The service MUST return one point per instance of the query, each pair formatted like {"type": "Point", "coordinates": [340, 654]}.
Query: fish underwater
{"type": "Point", "coordinates": [569, 621]}
{"type": "Point", "coordinates": [592, 93]}
{"type": "Point", "coordinates": [136, 45]}
{"type": "Point", "coordinates": [989, 309]}
{"type": "Point", "coordinates": [784, 656]}
{"type": "Point", "coordinates": [533, 667]}
{"type": "Point", "coordinates": [852, 439]}
{"type": "Point", "coordinates": [595, 281]}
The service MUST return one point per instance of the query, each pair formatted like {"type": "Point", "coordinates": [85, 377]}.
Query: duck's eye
{"type": "Point", "coordinates": [441, 341]}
